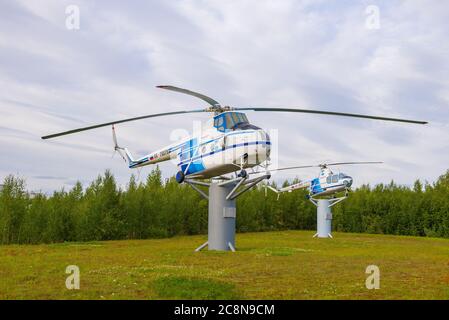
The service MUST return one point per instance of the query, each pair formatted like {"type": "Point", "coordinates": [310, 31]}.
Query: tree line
{"type": "Point", "coordinates": [156, 209]}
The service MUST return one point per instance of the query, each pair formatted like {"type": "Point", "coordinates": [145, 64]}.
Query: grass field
{"type": "Point", "coordinates": [271, 265]}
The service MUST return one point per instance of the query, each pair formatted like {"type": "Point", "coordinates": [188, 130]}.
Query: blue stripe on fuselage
{"type": "Point", "coordinates": [223, 149]}
{"type": "Point", "coordinates": [190, 148]}
{"type": "Point", "coordinates": [203, 143]}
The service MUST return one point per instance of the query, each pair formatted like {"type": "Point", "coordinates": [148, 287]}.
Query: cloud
{"type": "Point", "coordinates": [309, 54]}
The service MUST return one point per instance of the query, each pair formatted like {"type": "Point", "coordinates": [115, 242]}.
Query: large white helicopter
{"type": "Point", "coordinates": [228, 143]}
{"type": "Point", "coordinates": [326, 184]}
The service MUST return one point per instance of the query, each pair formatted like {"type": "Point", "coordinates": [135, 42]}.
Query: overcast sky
{"type": "Point", "coordinates": [328, 55]}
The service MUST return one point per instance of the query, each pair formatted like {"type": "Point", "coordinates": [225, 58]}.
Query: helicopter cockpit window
{"type": "Point", "coordinates": [219, 123]}
{"type": "Point", "coordinates": [335, 178]}
{"type": "Point", "coordinates": [243, 118]}
{"type": "Point", "coordinates": [229, 120]}
{"type": "Point", "coordinates": [235, 118]}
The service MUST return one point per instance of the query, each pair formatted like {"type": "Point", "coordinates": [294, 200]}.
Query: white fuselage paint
{"type": "Point", "coordinates": [326, 184]}
{"type": "Point", "coordinates": [213, 153]}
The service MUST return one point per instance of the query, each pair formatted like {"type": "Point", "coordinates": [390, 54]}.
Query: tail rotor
{"type": "Point", "coordinates": [117, 149]}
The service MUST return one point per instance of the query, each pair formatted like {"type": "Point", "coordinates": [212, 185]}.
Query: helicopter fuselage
{"type": "Point", "coordinates": [326, 184]}
{"type": "Point", "coordinates": [225, 145]}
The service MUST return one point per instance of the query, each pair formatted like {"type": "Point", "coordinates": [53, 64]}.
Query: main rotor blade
{"type": "Point", "coordinates": [119, 121]}
{"type": "Point", "coordinates": [289, 168]}
{"type": "Point", "coordinates": [345, 163]}
{"type": "Point", "coordinates": [332, 113]}
{"type": "Point", "coordinates": [209, 100]}
{"type": "Point", "coordinates": [326, 164]}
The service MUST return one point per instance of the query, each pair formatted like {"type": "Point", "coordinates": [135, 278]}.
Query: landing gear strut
{"type": "Point", "coordinates": [243, 174]}
{"type": "Point", "coordinates": [243, 161]}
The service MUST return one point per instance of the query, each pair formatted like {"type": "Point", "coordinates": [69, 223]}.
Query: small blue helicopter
{"type": "Point", "coordinates": [326, 184]}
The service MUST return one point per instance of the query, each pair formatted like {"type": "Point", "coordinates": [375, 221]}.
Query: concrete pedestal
{"type": "Point", "coordinates": [324, 216]}
{"type": "Point", "coordinates": [222, 209]}
{"type": "Point", "coordinates": [323, 219]}
{"type": "Point", "coordinates": [222, 215]}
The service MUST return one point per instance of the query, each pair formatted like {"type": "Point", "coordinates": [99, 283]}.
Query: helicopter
{"type": "Point", "coordinates": [227, 144]}
{"type": "Point", "coordinates": [327, 183]}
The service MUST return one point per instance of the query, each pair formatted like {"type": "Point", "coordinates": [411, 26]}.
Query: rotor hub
{"type": "Point", "coordinates": [217, 109]}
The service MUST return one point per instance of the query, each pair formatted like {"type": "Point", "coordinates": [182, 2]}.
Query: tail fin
{"type": "Point", "coordinates": [124, 153]}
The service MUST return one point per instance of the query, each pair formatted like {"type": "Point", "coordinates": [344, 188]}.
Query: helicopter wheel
{"type": "Point", "coordinates": [243, 174]}
{"type": "Point", "coordinates": [180, 176]}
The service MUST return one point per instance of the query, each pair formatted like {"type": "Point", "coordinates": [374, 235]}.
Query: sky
{"type": "Point", "coordinates": [387, 58]}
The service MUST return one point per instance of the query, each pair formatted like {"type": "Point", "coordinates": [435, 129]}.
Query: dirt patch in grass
{"type": "Point", "coordinates": [281, 251]}
{"type": "Point", "coordinates": [194, 288]}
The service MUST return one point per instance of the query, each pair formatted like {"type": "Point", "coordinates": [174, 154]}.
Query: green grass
{"type": "Point", "coordinates": [190, 288]}
{"type": "Point", "coordinates": [270, 265]}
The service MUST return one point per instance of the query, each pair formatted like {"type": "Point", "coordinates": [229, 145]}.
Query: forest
{"type": "Point", "coordinates": [155, 208]}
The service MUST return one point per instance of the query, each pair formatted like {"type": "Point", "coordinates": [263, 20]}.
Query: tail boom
{"type": "Point", "coordinates": [152, 158]}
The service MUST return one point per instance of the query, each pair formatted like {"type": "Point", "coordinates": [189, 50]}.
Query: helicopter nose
{"type": "Point", "coordinates": [348, 182]}
{"type": "Point", "coordinates": [264, 135]}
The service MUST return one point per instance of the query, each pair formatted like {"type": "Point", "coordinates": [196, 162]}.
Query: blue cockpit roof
{"type": "Point", "coordinates": [229, 120]}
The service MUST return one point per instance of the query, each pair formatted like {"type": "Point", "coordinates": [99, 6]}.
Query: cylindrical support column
{"type": "Point", "coordinates": [222, 214]}
{"type": "Point", "coordinates": [324, 219]}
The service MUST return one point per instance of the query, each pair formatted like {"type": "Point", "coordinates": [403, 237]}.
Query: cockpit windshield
{"type": "Point", "coordinates": [229, 120]}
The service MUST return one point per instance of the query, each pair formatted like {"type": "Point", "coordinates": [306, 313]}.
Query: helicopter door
{"type": "Point", "coordinates": [189, 151]}
{"type": "Point", "coordinates": [316, 186]}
